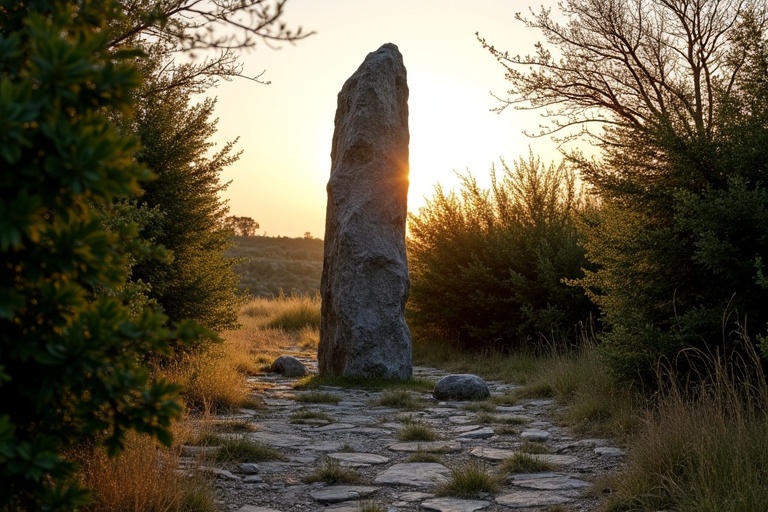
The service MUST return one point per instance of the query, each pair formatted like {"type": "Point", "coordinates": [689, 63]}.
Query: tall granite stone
{"type": "Point", "coordinates": [365, 281]}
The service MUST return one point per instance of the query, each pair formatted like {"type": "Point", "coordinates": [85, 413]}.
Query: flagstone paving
{"type": "Point", "coordinates": [363, 437]}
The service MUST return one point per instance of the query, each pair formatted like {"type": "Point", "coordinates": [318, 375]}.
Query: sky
{"type": "Point", "coordinates": [285, 128]}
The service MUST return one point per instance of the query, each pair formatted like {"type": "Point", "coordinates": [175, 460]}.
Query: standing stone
{"type": "Point", "coordinates": [365, 280]}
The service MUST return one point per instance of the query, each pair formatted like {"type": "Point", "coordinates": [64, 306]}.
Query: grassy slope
{"type": "Point", "coordinates": [278, 264]}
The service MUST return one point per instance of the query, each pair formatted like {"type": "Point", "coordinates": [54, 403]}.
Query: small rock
{"type": "Point", "coordinates": [463, 386]}
{"type": "Point", "coordinates": [355, 458]}
{"type": "Point", "coordinates": [253, 508]}
{"type": "Point", "coordinates": [426, 446]}
{"type": "Point", "coordinates": [535, 435]}
{"type": "Point", "coordinates": [219, 473]}
{"type": "Point", "coordinates": [248, 468]}
{"type": "Point", "coordinates": [418, 474]}
{"type": "Point", "coordinates": [480, 433]}
{"type": "Point", "coordinates": [548, 482]}
{"type": "Point", "coordinates": [339, 493]}
{"type": "Point", "coordinates": [453, 505]}
{"type": "Point", "coordinates": [608, 451]}
{"type": "Point", "coordinates": [289, 366]}
{"type": "Point", "coordinates": [252, 479]}
{"type": "Point", "coordinates": [526, 499]}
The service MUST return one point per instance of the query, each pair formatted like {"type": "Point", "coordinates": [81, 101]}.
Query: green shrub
{"type": "Point", "coordinates": [489, 264]}
{"type": "Point", "coordinates": [70, 348]}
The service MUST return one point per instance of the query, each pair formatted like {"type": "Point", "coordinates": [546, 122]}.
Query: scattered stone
{"type": "Point", "coordinates": [478, 433]}
{"type": "Point", "coordinates": [357, 458]}
{"type": "Point", "coordinates": [463, 386]}
{"type": "Point", "coordinates": [554, 458]}
{"type": "Point", "coordinates": [248, 468]}
{"type": "Point", "coordinates": [489, 453]}
{"type": "Point", "coordinates": [252, 479]}
{"type": "Point", "coordinates": [252, 508]}
{"type": "Point", "coordinates": [526, 499]}
{"type": "Point", "coordinates": [289, 366]}
{"type": "Point", "coordinates": [535, 435]}
{"type": "Point", "coordinates": [608, 451]}
{"type": "Point", "coordinates": [339, 493]}
{"type": "Point", "coordinates": [548, 481]}
{"type": "Point", "coordinates": [426, 446]}
{"type": "Point", "coordinates": [279, 440]}
{"type": "Point", "coordinates": [365, 282]}
{"type": "Point", "coordinates": [453, 505]}
{"type": "Point", "coordinates": [417, 474]}
{"type": "Point", "coordinates": [334, 426]}
{"type": "Point", "coordinates": [222, 474]}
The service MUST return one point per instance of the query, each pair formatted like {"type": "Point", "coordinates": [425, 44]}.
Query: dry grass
{"type": "Point", "coordinates": [143, 478]}
{"type": "Point", "coordinates": [703, 448]}
{"type": "Point", "coordinates": [417, 431]}
{"type": "Point", "coordinates": [289, 313]}
{"type": "Point", "coordinates": [524, 463]}
{"type": "Point", "coordinates": [332, 473]}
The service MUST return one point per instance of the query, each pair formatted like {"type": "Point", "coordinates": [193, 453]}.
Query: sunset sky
{"type": "Point", "coordinates": [285, 128]}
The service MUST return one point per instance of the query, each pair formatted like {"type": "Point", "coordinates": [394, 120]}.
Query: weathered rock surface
{"type": "Point", "coordinates": [365, 281]}
{"type": "Point", "coordinates": [462, 386]}
{"type": "Point", "coordinates": [289, 366]}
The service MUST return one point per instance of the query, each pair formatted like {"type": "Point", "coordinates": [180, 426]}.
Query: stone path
{"type": "Point", "coordinates": [363, 436]}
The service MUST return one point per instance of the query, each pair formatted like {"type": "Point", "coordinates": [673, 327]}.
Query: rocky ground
{"type": "Point", "coordinates": [363, 436]}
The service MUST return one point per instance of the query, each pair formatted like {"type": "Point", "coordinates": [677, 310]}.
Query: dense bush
{"type": "Point", "coordinates": [488, 266]}
{"type": "Point", "coordinates": [70, 348]}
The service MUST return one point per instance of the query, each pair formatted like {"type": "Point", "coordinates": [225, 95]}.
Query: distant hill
{"type": "Point", "coordinates": [275, 264]}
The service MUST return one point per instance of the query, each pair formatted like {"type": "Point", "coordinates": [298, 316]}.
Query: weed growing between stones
{"type": "Point", "coordinates": [505, 399]}
{"type": "Point", "coordinates": [306, 416]}
{"type": "Point", "coordinates": [505, 430]}
{"type": "Point", "coordinates": [347, 449]}
{"type": "Point", "coordinates": [534, 447]}
{"type": "Point", "coordinates": [536, 390]}
{"type": "Point", "coordinates": [470, 480]}
{"type": "Point", "coordinates": [417, 431]}
{"type": "Point", "coordinates": [318, 397]}
{"type": "Point", "coordinates": [233, 426]}
{"type": "Point", "coordinates": [424, 456]}
{"type": "Point", "coordinates": [482, 406]}
{"type": "Point", "coordinates": [332, 473]}
{"type": "Point", "coordinates": [400, 399]}
{"type": "Point", "coordinates": [240, 449]}
{"type": "Point", "coordinates": [524, 463]}
{"type": "Point", "coordinates": [486, 418]}
{"type": "Point", "coordinates": [371, 506]}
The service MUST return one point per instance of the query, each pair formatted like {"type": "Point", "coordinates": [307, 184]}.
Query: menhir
{"type": "Point", "coordinates": [365, 280]}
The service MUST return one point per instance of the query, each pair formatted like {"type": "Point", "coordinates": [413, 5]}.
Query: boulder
{"type": "Point", "coordinates": [365, 283]}
{"type": "Point", "coordinates": [463, 386]}
{"type": "Point", "coordinates": [289, 366]}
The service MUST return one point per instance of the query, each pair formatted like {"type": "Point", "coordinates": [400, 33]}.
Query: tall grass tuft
{"type": "Point", "coordinates": [704, 447]}
{"type": "Point", "coordinates": [469, 480]}
{"type": "Point", "coordinates": [143, 478]}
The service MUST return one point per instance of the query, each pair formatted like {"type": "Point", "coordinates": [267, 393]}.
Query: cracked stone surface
{"type": "Point", "coordinates": [363, 437]}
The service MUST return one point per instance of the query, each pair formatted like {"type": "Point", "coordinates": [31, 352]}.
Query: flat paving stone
{"type": "Point", "coordinates": [334, 426]}
{"type": "Point", "coordinates": [417, 474]}
{"type": "Point", "coordinates": [548, 482]}
{"type": "Point", "coordinates": [608, 451]}
{"type": "Point", "coordinates": [253, 508]}
{"type": "Point", "coordinates": [339, 493]}
{"type": "Point", "coordinates": [479, 433]}
{"type": "Point", "coordinates": [280, 440]}
{"type": "Point", "coordinates": [535, 434]}
{"type": "Point", "coordinates": [527, 499]}
{"type": "Point", "coordinates": [454, 505]}
{"type": "Point", "coordinates": [359, 458]}
{"type": "Point", "coordinates": [489, 453]}
{"type": "Point", "coordinates": [427, 446]}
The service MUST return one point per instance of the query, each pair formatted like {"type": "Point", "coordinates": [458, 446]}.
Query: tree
{"type": "Point", "coordinates": [676, 89]}
{"type": "Point", "coordinates": [197, 282]}
{"type": "Point", "coordinates": [70, 348]}
{"type": "Point", "coordinates": [242, 226]}
{"type": "Point", "coordinates": [487, 266]}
